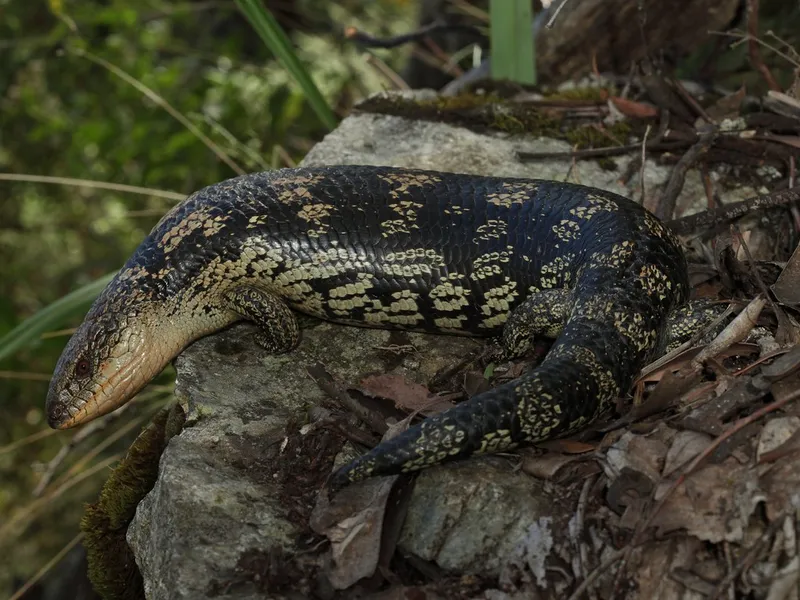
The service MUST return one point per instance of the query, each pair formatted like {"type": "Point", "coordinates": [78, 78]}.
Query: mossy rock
{"type": "Point", "coordinates": [490, 112]}
{"type": "Point", "coordinates": [480, 112]}
{"type": "Point", "coordinates": [112, 567]}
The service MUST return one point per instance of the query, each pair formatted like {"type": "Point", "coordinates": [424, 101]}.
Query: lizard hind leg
{"type": "Point", "coordinates": [278, 329]}
{"type": "Point", "coordinates": [692, 317]}
{"type": "Point", "coordinates": [542, 314]}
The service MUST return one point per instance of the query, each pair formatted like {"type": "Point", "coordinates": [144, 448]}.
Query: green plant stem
{"type": "Point", "coordinates": [279, 44]}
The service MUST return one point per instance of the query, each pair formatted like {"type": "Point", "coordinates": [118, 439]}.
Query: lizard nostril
{"type": "Point", "coordinates": [55, 413]}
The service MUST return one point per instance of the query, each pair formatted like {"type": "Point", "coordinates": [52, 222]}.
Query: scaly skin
{"type": "Point", "coordinates": [395, 248]}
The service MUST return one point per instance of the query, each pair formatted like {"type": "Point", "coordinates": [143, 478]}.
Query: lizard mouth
{"type": "Point", "coordinates": [120, 383]}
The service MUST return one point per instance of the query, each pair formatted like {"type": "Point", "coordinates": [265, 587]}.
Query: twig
{"type": "Point", "coordinates": [735, 331]}
{"type": "Point", "coordinates": [251, 153]}
{"type": "Point", "coordinates": [58, 333]}
{"type": "Point", "coordinates": [741, 565]}
{"type": "Point", "coordinates": [47, 566]}
{"type": "Point", "coordinates": [753, 51]}
{"type": "Point", "coordinates": [430, 59]}
{"type": "Point", "coordinates": [104, 443]}
{"type": "Point", "coordinates": [26, 375]}
{"type": "Point", "coordinates": [471, 10]}
{"type": "Point", "coordinates": [669, 198]}
{"type": "Point", "coordinates": [600, 570]}
{"type": "Point", "coordinates": [580, 512]}
{"type": "Point", "coordinates": [447, 65]}
{"type": "Point", "coordinates": [370, 41]}
{"type": "Point", "coordinates": [551, 21]}
{"type": "Point", "coordinates": [279, 154]}
{"type": "Point", "coordinates": [741, 37]}
{"type": "Point", "coordinates": [784, 325]}
{"type": "Point", "coordinates": [338, 391]}
{"type": "Point", "coordinates": [88, 183]}
{"type": "Point", "coordinates": [753, 270]}
{"type": "Point", "coordinates": [342, 427]}
{"type": "Point", "coordinates": [28, 439]}
{"type": "Point", "coordinates": [23, 518]}
{"type": "Point", "coordinates": [792, 183]}
{"type": "Point", "coordinates": [384, 69]}
{"type": "Point", "coordinates": [672, 354]}
{"type": "Point", "coordinates": [710, 449]}
{"type": "Point", "coordinates": [90, 429]}
{"type": "Point", "coordinates": [160, 101]}
{"type": "Point", "coordinates": [794, 55]}
{"type": "Point", "coordinates": [690, 100]}
{"type": "Point", "coordinates": [602, 152]}
{"type": "Point", "coordinates": [719, 216]}
{"type": "Point", "coordinates": [708, 187]}
{"type": "Point", "coordinates": [644, 162]}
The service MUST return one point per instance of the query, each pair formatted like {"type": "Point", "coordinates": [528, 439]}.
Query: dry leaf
{"type": "Point", "coordinates": [727, 107]}
{"type": "Point", "coordinates": [630, 108]}
{"type": "Point", "coordinates": [776, 432]}
{"type": "Point", "coordinates": [353, 522]}
{"type": "Point", "coordinates": [557, 467]}
{"type": "Point", "coordinates": [685, 446]}
{"type": "Point", "coordinates": [406, 394]}
{"type": "Point", "coordinates": [475, 383]}
{"type": "Point", "coordinates": [639, 453]}
{"type": "Point", "coordinates": [787, 287]}
{"type": "Point", "coordinates": [713, 504]}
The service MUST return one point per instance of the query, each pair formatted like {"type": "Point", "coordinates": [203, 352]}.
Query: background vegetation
{"type": "Point", "coordinates": [65, 111]}
{"type": "Point", "coordinates": [169, 96]}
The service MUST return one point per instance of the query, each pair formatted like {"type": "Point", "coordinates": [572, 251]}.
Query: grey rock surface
{"type": "Point", "coordinates": [470, 517]}
{"type": "Point", "coordinates": [215, 496]}
{"type": "Point", "coordinates": [374, 139]}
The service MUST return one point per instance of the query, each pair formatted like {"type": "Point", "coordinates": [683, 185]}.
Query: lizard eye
{"type": "Point", "coordinates": [83, 367]}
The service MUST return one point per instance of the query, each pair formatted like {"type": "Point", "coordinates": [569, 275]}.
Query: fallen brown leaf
{"type": "Point", "coordinates": [727, 107]}
{"type": "Point", "coordinates": [787, 287]}
{"type": "Point", "coordinates": [552, 466]}
{"type": "Point", "coordinates": [475, 383]}
{"type": "Point", "coordinates": [630, 108]}
{"type": "Point", "coordinates": [406, 394]}
{"type": "Point", "coordinates": [776, 433]}
{"type": "Point", "coordinates": [353, 522]}
{"type": "Point", "coordinates": [685, 446]}
{"type": "Point", "coordinates": [354, 519]}
{"type": "Point", "coordinates": [713, 504]}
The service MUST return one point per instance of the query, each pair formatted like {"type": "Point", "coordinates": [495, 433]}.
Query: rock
{"type": "Point", "coordinates": [469, 517]}
{"type": "Point", "coordinates": [221, 493]}
{"type": "Point", "coordinates": [379, 139]}
{"type": "Point", "coordinates": [215, 497]}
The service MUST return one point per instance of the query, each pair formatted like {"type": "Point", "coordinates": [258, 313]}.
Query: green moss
{"type": "Point", "coordinates": [112, 568]}
{"type": "Point", "coordinates": [591, 94]}
{"type": "Point", "coordinates": [598, 136]}
{"type": "Point", "coordinates": [475, 111]}
{"type": "Point", "coordinates": [490, 112]}
{"type": "Point", "coordinates": [460, 102]}
{"type": "Point", "coordinates": [607, 164]}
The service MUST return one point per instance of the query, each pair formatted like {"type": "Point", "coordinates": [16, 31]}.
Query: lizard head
{"type": "Point", "coordinates": [110, 357]}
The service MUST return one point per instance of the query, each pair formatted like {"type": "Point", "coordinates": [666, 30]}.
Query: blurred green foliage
{"type": "Point", "coordinates": [512, 48]}
{"type": "Point", "coordinates": [62, 114]}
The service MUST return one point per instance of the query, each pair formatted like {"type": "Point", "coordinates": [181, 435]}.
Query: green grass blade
{"type": "Point", "coordinates": [511, 39]}
{"type": "Point", "coordinates": [51, 317]}
{"type": "Point", "coordinates": [279, 44]}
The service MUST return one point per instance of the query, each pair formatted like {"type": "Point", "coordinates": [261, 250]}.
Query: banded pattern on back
{"type": "Point", "coordinates": [389, 247]}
